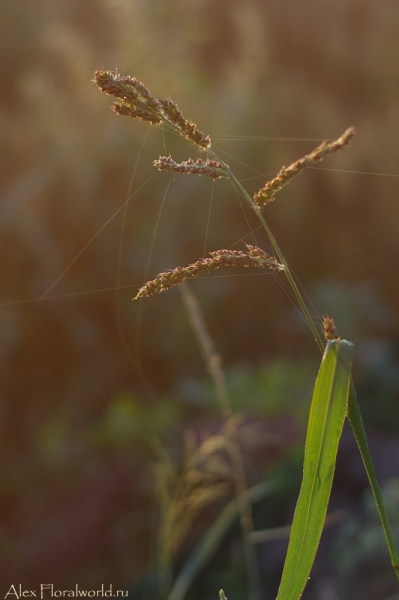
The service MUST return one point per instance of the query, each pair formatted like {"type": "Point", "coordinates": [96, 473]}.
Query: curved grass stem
{"type": "Point", "coordinates": [278, 252]}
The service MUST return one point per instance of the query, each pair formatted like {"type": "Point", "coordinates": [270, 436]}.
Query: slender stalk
{"type": "Point", "coordinates": [213, 362]}
{"type": "Point", "coordinates": [277, 250]}
{"type": "Point", "coordinates": [356, 422]}
{"type": "Point", "coordinates": [209, 353]}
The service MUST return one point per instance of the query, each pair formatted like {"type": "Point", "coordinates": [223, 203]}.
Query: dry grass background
{"type": "Point", "coordinates": [74, 495]}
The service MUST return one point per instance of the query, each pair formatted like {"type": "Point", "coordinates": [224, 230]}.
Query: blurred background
{"type": "Point", "coordinates": [89, 379]}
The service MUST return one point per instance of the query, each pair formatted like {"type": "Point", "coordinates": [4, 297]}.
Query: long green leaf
{"type": "Point", "coordinates": [326, 419]}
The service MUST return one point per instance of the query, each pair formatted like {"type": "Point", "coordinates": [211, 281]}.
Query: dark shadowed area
{"type": "Point", "coordinates": [95, 389]}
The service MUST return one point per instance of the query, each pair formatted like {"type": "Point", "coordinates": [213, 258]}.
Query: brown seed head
{"type": "Point", "coordinates": [328, 329]}
{"type": "Point", "coordinates": [137, 101]}
{"type": "Point", "coordinates": [267, 193]}
{"type": "Point", "coordinates": [209, 168]}
{"type": "Point", "coordinates": [255, 257]}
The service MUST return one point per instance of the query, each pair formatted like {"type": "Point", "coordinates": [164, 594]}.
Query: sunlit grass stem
{"type": "Point", "coordinates": [277, 250]}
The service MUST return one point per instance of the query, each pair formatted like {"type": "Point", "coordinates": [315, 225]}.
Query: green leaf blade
{"type": "Point", "coordinates": [326, 419]}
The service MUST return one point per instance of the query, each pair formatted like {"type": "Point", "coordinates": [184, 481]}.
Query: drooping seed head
{"type": "Point", "coordinates": [255, 257]}
{"type": "Point", "coordinates": [136, 100]}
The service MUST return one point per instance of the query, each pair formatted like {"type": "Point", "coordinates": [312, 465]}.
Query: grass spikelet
{"type": "Point", "coordinates": [328, 329]}
{"type": "Point", "coordinates": [255, 257]}
{"type": "Point", "coordinates": [188, 129]}
{"type": "Point", "coordinates": [209, 168]}
{"type": "Point", "coordinates": [267, 193]}
{"type": "Point", "coordinates": [136, 112]}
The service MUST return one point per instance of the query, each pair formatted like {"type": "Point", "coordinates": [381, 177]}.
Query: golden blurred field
{"type": "Point", "coordinates": [87, 376]}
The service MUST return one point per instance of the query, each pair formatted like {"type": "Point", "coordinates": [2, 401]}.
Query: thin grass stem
{"type": "Point", "coordinates": [279, 253]}
{"type": "Point", "coordinates": [213, 361]}
{"type": "Point", "coordinates": [356, 422]}
{"type": "Point", "coordinates": [209, 353]}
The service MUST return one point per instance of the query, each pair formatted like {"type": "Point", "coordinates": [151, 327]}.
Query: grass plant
{"type": "Point", "coordinates": [184, 495]}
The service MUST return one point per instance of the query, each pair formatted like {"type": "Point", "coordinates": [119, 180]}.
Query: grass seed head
{"type": "Point", "coordinates": [208, 168]}
{"type": "Point", "coordinates": [188, 129]}
{"type": "Point", "coordinates": [255, 257]}
{"type": "Point", "coordinates": [136, 100]}
{"type": "Point", "coordinates": [267, 193]}
{"type": "Point", "coordinates": [328, 329]}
